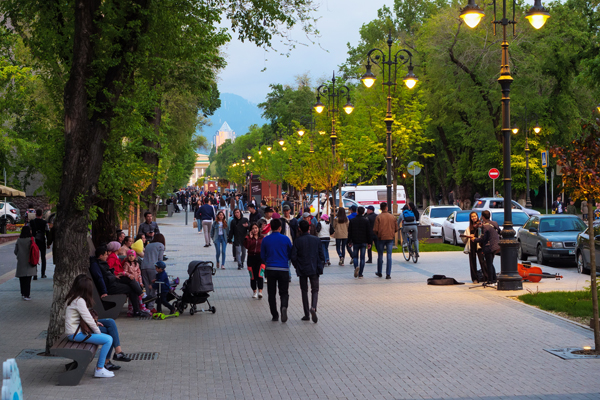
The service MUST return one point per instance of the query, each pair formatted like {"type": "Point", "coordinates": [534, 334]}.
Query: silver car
{"type": "Point", "coordinates": [10, 213]}
{"type": "Point", "coordinates": [489, 203]}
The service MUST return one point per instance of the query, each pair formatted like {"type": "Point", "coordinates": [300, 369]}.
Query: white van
{"type": "Point", "coordinates": [373, 195]}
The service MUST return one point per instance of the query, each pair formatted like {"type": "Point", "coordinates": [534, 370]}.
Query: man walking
{"type": "Point", "coordinates": [371, 216]}
{"type": "Point", "coordinates": [255, 215]}
{"type": "Point", "coordinates": [148, 225]}
{"type": "Point", "coordinates": [237, 232]}
{"type": "Point", "coordinates": [275, 252]}
{"type": "Point", "coordinates": [40, 232]}
{"type": "Point", "coordinates": [205, 216]}
{"type": "Point", "coordinates": [384, 229]}
{"type": "Point", "coordinates": [359, 239]}
{"type": "Point", "coordinates": [558, 206]}
{"type": "Point", "coordinates": [308, 259]}
{"type": "Point", "coordinates": [490, 241]}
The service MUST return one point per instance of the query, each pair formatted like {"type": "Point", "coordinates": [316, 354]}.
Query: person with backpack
{"type": "Point", "coordinates": [40, 232]}
{"type": "Point", "coordinates": [409, 222]}
{"type": "Point", "coordinates": [25, 269]}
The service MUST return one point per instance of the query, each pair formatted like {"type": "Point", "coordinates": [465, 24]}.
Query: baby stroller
{"type": "Point", "coordinates": [195, 289]}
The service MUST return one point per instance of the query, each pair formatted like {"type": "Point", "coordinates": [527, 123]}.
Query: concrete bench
{"type": "Point", "coordinates": [81, 354]}
{"type": "Point", "coordinates": [109, 306]}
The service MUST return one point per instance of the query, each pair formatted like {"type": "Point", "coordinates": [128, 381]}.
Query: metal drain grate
{"type": "Point", "coordinates": [567, 354]}
{"type": "Point", "coordinates": [144, 356]}
{"type": "Point", "coordinates": [144, 318]}
{"type": "Point", "coordinates": [31, 354]}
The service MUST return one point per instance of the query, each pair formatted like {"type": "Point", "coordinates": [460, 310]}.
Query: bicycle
{"type": "Point", "coordinates": [410, 250]}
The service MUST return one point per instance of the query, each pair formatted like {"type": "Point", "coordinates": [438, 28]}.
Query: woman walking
{"type": "Point", "coordinates": [472, 248]}
{"type": "Point", "coordinates": [340, 226]}
{"type": "Point", "coordinates": [324, 235]}
{"type": "Point", "coordinates": [252, 243]}
{"type": "Point", "coordinates": [25, 271]}
{"type": "Point", "coordinates": [219, 233]}
{"type": "Point", "coordinates": [78, 302]}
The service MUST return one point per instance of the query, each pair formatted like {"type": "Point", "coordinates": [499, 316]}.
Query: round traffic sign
{"type": "Point", "coordinates": [494, 173]}
{"type": "Point", "coordinates": [413, 168]}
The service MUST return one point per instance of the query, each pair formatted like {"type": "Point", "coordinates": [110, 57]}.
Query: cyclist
{"type": "Point", "coordinates": [408, 221]}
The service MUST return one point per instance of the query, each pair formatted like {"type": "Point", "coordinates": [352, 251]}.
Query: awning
{"type": "Point", "coordinates": [10, 192]}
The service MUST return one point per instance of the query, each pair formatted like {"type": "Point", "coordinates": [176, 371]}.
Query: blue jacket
{"type": "Point", "coordinates": [352, 215]}
{"type": "Point", "coordinates": [204, 213]}
{"type": "Point", "coordinates": [162, 277]}
{"type": "Point", "coordinates": [275, 251]}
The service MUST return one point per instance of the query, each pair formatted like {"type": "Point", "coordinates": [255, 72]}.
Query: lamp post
{"type": "Point", "coordinates": [389, 65]}
{"type": "Point", "coordinates": [333, 94]}
{"type": "Point", "coordinates": [309, 123]}
{"type": "Point", "coordinates": [509, 278]}
{"type": "Point", "coordinates": [536, 129]}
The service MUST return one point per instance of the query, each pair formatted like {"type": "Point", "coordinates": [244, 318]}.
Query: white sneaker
{"type": "Point", "coordinates": [26, 298]}
{"type": "Point", "coordinates": [103, 373]}
{"type": "Point", "coordinates": [255, 295]}
{"type": "Point", "coordinates": [259, 295]}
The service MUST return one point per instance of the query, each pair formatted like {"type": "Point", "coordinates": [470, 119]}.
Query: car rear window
{"type": "Point", "coordinates": [442, 212]}
{"type": "Point", "coordinates": [561, 225]}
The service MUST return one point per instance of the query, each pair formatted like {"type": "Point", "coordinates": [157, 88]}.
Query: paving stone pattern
{"type": "Point", "coordinates": [375, 339]}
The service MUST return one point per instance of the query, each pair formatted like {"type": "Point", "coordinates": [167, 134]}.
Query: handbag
{"type": "Point", "coordinates": [85, 328]}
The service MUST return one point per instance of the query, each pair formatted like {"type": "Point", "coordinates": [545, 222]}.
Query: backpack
{"type": "Point", "coordinates": [408, 216]}
{"type": "Point", "coordinates": [34, 253]}
{"type": "Point", "coordinates": [331, 230]}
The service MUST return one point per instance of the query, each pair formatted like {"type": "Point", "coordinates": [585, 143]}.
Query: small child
{"type": "Point", "coordinates": [131, 270]}
{"type": "Point", "coordinates": [162, 286]}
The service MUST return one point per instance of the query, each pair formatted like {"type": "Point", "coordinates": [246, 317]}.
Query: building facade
{"type": "Point", "coordinates": [200, 168]}
{"type": "Point", "coordinates": [222, 135]}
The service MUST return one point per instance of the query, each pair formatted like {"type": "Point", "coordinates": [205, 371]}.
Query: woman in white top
{"type": "Point", "coordinates": [78, 300]}
{"type": "Point", "coordinates": [219, 233]}
{"type": "Point", "coordinates": [324, 235]}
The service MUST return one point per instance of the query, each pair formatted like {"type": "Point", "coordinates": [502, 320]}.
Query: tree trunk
{"type": "Point", "coordinates": [429, 188]}
{"type": "Point", "coordinates": [104, 228]}
{"type": "Point", "coordinates": [150, 157]}
{"type": "Point", "coordinates": [593, 279]}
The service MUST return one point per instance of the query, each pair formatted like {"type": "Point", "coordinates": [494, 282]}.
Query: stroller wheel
{"type": "Point", "coordinates": [213, 309]}
{"type": "Point", "coordinates": [191, 311]}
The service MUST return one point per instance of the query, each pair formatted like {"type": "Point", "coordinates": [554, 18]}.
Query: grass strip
{"type": "Point", "coordinates": [574, 304]}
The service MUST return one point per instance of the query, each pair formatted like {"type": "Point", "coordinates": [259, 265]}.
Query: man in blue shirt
{"type": "Point", "coordinates": [275, 252]}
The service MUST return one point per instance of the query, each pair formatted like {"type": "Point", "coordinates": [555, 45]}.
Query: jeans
{"type": "Point", "coordinates": [206, 227]}
{"type": "Point", "coordinates": [221, 246]}
{"type": "Point", "coordinates": [110, 328]}
{"type": "Point", "coordinates": [199, 223]}
{"type": "Point", "coordinates": [340, 247]}
{"type": "Point", "coordinates": [415, 235]}
{"type": "Point", "coordinates": [240, 255]}
{"type": "Point", "coordinates": [147, 276]}
{"type": "Point", "coordinates": [162, 300]}
{"type": "Point", "coordinates": [387, 245]}
{"type": "Point", "coordinates": [314, 290]}
{"type": "Point", "coordinates": [325, 244]}
{"type": "Point", "coordinates": [101, 339]}
{"type": "Point", "coordinates": [281, 279]}
{"type": "Point", "coordinates": [362, 247]}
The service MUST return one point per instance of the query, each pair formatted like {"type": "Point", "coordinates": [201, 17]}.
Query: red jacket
{"type": "Point", "coordinates": [253, 244]}
{"type": "Point", "coordinates": [114, 262]}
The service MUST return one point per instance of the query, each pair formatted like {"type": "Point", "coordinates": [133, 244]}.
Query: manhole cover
{"type": "Point", "coordinates": [144, 356]}
{"type": "Point", "coordinates": [567, 354]}
{"type": "Point", "coordinates": [31, 354]}
{"type": "Point", "coordinates": [43, 335]}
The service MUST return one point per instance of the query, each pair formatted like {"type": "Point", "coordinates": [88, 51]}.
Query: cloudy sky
{"type": "Point", "coordinates": [339, 23]}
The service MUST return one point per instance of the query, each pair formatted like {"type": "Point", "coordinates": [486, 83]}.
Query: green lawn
{"type": "Point", "coordinates": [574, 304]}
{"type": "Point", "coordinates": [161, 214]}
{"type": "Point", "coordinates": [429, 247]}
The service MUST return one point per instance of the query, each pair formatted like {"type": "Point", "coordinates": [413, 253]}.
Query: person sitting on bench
{"type": "Point", "coordinates": [78, 300]}
{"type": "Point", "coordinates": [108, 283]}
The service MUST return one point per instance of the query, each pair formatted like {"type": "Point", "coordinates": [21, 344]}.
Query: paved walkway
{"type": "Point", "coordinates": [375, 339]}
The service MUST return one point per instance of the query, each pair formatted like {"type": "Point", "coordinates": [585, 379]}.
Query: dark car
{"type": "Point", "coordinates": [551, 237]}
{"type": "Point", "coordinates": [583, 249]}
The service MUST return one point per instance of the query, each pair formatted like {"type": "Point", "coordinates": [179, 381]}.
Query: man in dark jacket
{"type": "Point", "coordinates": [371, 216]}
{"type": "Point", "coordinates": [308, 259]}
{"type": "Point", "coordinates": [255, 215]}
{"type": "Point", "coordinates": [40, 232]}
{"type": "Point", "coordinates": [359, 239]}
{"type": "Point", "coordinates": [205, 216]}
{"type": "Point", "coordinates": [107, 283]}
{"type": "Point", "coordinates": [490, 242]}
{"type": "Point", "coordinates": [237, 232]}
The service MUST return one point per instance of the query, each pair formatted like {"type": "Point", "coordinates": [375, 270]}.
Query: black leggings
{"type": "Point", "coordinates": [25, 282]}
{"type": "Point", "coordinates": [254, 262]}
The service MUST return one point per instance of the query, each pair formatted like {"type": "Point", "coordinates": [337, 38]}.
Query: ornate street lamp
{"type": "Point", "coordinates": [307, 123]}
{"type": "Point", "coordinates": [536, 129]}
{"type": "Point", "coordinates": [389, 65]}
{"type": "Point", "coordinates": [509, 278]}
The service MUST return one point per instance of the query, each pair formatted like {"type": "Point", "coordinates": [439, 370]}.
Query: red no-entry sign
{"type": "Point", "coordinates": [494, 173]}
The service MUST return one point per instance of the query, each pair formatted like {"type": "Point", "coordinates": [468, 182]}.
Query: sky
{"type": "Point", "coordinates": [339, 23]}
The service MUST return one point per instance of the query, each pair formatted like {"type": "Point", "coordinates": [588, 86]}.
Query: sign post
{"type": "Point", "coordinates": [414, 170]}
{"type": "Point", "coordinates": [545, 166]}
{"type": "Point", "coordinates": [494, 174]}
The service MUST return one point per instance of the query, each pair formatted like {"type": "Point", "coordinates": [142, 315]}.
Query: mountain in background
{"type": "Point", "coordinates": [239, 114]}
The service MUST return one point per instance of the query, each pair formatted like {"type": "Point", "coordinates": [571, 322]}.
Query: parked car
{"type": "Point", "coordinates": [434, 216]}
{"type": "Point", "coordinates": [551, 237]}
{"type": "Point", "coordinates": [455, 225]}
{"type": "Point", "coordinates": [11, 213]}
{"type": "Point", "coordinates": [486, 203]}
{"type": "Point", "coordinates": [582, 253]}
{"type": "Point", "coordinates": [519, 218]}
{"type": "Point", "coordinates": [347, 204]}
